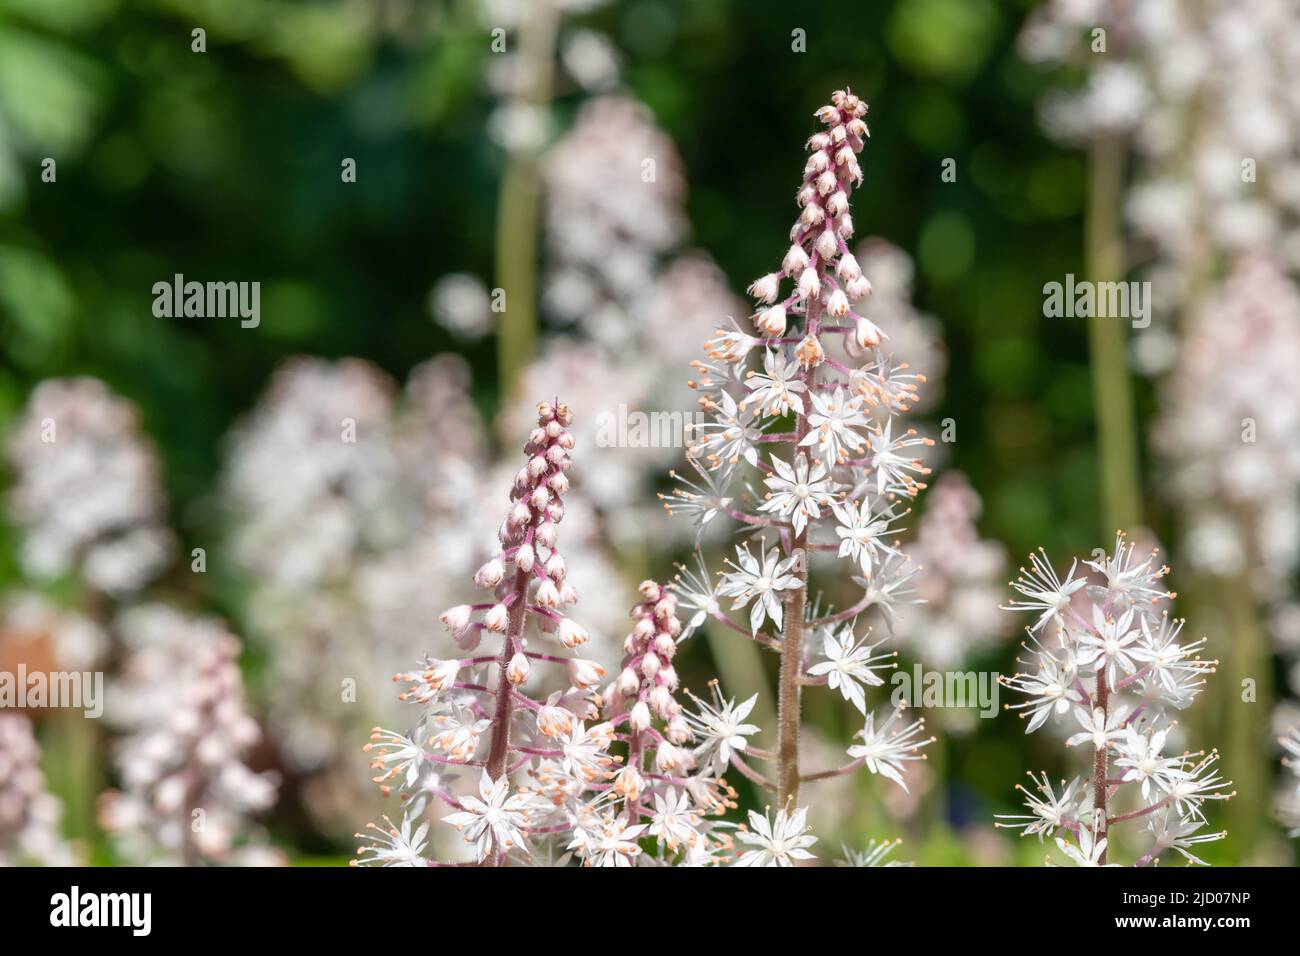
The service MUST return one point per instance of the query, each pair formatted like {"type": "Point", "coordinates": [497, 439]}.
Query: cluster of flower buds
{"type": "Point", "coordinates": [809, 400]}
{"type": "Point", "coordinates": [29, 814]}
{"type": "Point", "coordinates": [186, 792]}
{"type": "Point", "coordinates": [1108, 661]}
{"type": "Point", "coordinates": [664, 789]}
{"type": "Point", "coordinates": [534, 758]}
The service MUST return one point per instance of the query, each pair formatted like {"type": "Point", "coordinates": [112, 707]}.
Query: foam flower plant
{"type": "Point", "coordinates": [1110, 667]}
{"type": "Point", "coordinates": [803, 409]}
{"type": "Point", "coordinates": [535, 765]}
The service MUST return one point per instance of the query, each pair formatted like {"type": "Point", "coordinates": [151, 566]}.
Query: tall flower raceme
{"type": "Point", "coordinates": [187, 795]}
{"type": "Point", "coordinates": [810, 402]}
{"type": "Point", "coordinates": [29, 813]}
{"type": "Point", "coordinates": [1109, 664]}
{"type": "Point", "coordinates": [669, 784]}
{"type": "Point", "coordinates": [534, 761]}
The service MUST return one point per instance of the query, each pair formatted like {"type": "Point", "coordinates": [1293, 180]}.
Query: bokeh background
{"type": "Point", "coordinates": [519, 169]}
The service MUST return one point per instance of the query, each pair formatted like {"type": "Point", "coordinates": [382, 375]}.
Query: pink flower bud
{"type": "Point", "coordinates": [772, 321]}
{"type": "Point", "coordinates": [795, 261]}
{"type": "Point", "coordinates": [525, 557]}
{"type": "Point", "coordinates": [765, 288]}
{"type": "Point", "coordinates": [490, 574]}
{"type": "Point", "coordinates": [585, 674]}
{"type": "Point", "coordinates": [810, 285]}
{"type": "Point", "coordinates": [639, 717]}
{"type": "Point", "coordinates": [572, 633]}
{"type": "Point", "coordinates": [496, 618]}
{"type": "Point", "coordinates": [456, 619]}
{"type": "Point", "coordinates": [827, 245]}
{"type": "Point", "coordinates": [517, 671]}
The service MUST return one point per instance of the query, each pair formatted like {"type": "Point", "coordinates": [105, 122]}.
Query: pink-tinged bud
{"type": "Point", "coordinates": [520, 515]}
{"type": "Point", "coordinates": [806, 196]}
{"type": "Point", "coordinates": [812, 216]}
{"type": "Point", "coordinates": [639, 717]}
{"type": "Point", "coordinates": [665, 646]}
{"type": "Point", "coordinates": [555, 566]}
{"type": "Point", "coordinates": [555, 511]}
{"type": "Point", "coordinates": [810, 284]}
{"type": "Point", "coordinates": [644, 629]}
{"type": "Point", "coordinates": [650, 665]}
{"type": "Point", "coordinates": [838, 204]}
{"type": "Point", "coordinates": [628, 681]}
{"type": "Point", "coordinates": [525, 558]}
{"type": "Point", "coordinates": [847, 268]}
{"type": "Point", "coordinates": [845, 226]}
{"type": "Point", "coordinates": [517, 671]}
{"type": "Point", "coordinates": [838, 135]}
{"type": "Point", "coordinates": [649, 588]}
{"type": "Point", "coordinates": [572, 633]}
{"type": "Point", "coordinates": [772, 321]}
{"type": "Point", "coordinates": [537, 437]}
{"type": "Point", "coordinates": [857, 127]}
{"type": "Point", "coordinates": [765, 288]}
{"type": "Point", "coordinates": [668, 677]}
{"type": "Point", "coordinates": [818, 141]}
{"type": "Point", "coordinates": [566, 441]}
{"type": "Point", "coordinates": [662, 699]}
{"type": "Point", "coordinates": [568, 593]}
{"type": "Point", "coordinates": [628, 784]}
{"type": "Point", "coordinates": [496, 618]}
{"type": "Point", "coordinates": [859, 288]}
{"type": "Point", "coordinates": [795, 261]}
{"type": "Point", "coordinates": [678, 731]}
{"type": "Point", "coordinates": [672, 625]}
{"type": "Point", "coordinates": [490, 574]}
{"type": "Point", "coordinates": [838, 304]}
{"type": "Point", "coordinates": [558, 483]}
{"type": "Point", "coordinates": [554, 430]}
{"type": "Point", "coordinates": [547, 595]}
{"type": "Point", "coordinates": [854, 170]}
{"type": "Point", "coordinates": [827, 244]}
{"type": "Point", "coordinates": [809, 352]}
{"type": "Point", "coordinates": [668, 758]}
{"type": "Point", "coordinates": [540, 498]}
{"type": "Point", "coordinates": [828, 115]}
{"type": "Point", "coordinates": [440, 675]}
{"type": "Point", "coordinates": [556, 456]}
{"type": "Point", "coordinates": [826, 182]}
{"type": "Point", "coordinates": [867, 334]}
{"type": "Point", "coordinates": [546, 532]}
{"type": "Point", "coordinates": [585, 674]}
{"type": "Point", "coordinates": [523, 481]}
{"type": "Point", "coordinates": [456, 619]}
{"type": "Point", "coordinates": [536, 467]}
{"type": "Point", "coordinates": [553, 721]}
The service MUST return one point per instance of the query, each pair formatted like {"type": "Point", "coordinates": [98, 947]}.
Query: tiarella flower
{"type": "Point", "coordinates": [835, 418]}
{"type": "Point", "coordinates": [1044, 592]}
{"type": "Point", "coordinates": [849, 665]}
{"type": "Point", "coordinates": [728, 439]}
{"type": "Point", "coordinates": [861, 531]}
{"type": "Point", "coordinates": [674, 822]}
{"type": "Point", "coordinates": [798, 493]}
{"type": "Point", "coordinates": [886, 749]}
{"type": "Point", "coordinates": [1051, 691]}
{"type": "Point", "coordinates": [1189, 793]}
{"type": "Point", "coordinates": [893, 471]}
{"type": "Point", "coordinates": [391, 846]}
{"type": "Point", "coordinates": [776, 390]}
{"type": "Point", "coordinates": [696, 592]}
{"type": "Point", "coordinates": [760, 580]}
{"type": "Point", "coordinates": [1090, 850]}
{"type": "Point", "coordinates": [783, 841]}
{"type": "Point", "coordinates": [493, 821]}
{"type": "Point", "coordinates": [703, 500]}
{"type": "Point", "coordinates": [1131, 583]}
{"type": "Point", "coordinates": [1048, 810]}
{"type": "Point", "coordinates": [721, 728]}
{"type": "Point", "coordinates": [1109, 645]}
{"type": "Point", "coordinates": [874, 854]}
{"type": "Point", "coordinates": [608, 842]}
{"type": "Point", "coordinates": [1171, 833]}
{"type": "Point", "coordinates": [1099, 728]}
{"type": "Point", "coordinates": [1140, 756]}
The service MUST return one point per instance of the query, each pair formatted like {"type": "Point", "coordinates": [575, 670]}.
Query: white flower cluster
{"type": "Point", "coordinates": [533, 759]}
{"type": "Point", "coordinates": [186, 793]}
{"type": "Point", "coordinates": [1109, 662]}
{"type": "Point", "coordinates": [86, 492]}
{"type": "Point", "coordinates": [813, 381]}
{"type": "Point", "coordinates": [29, 814]}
